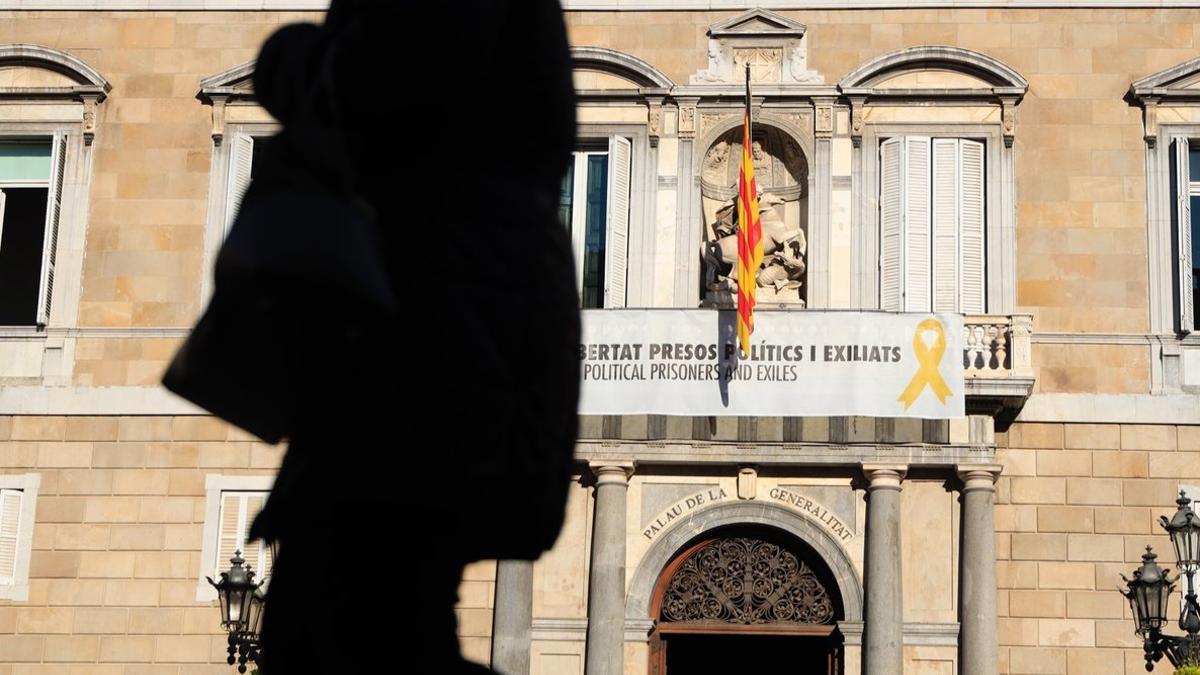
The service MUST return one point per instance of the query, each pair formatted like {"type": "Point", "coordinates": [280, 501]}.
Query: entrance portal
{"type": "Point", "coordinates": [786, 654]}
{"type": "Point", "coordinates": [742, 599]}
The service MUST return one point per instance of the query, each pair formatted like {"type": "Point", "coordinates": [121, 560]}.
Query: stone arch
{"type": "Point", "coordinates": [728, 123]}
{"type": "Point", "coordinates": [982, 66]}
{"type": "Point", "coordinates": [620, 64]}
{"type": "Point", "coordinates": [85, 79]}
{"type": "Point", "coordinates": [660, 553]}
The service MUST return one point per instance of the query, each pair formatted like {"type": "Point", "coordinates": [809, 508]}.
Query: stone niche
{"type": "Point", "coordinates": [781, 173]}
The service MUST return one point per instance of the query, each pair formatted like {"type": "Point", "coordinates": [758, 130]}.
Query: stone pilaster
{"type": "Point", "coordinates": [883, 636]}
{"type": "Point", "coordinates": [977, 588]}
{"type": "Point", "coordinates": [606, 586]}
{"type": "Point", "coordinates": [512, 620]}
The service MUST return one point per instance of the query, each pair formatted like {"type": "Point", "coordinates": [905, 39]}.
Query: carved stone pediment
{"type": "Point", "coordinates": [235, 83]}
{"type": "Point", "coordinates": [758, 22]}
{"type": "Point", "coordinates": [774, 46]}
{"type": "Point", "coordinates": [1179, 82]}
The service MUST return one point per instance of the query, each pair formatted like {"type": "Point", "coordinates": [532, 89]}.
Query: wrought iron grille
{"type": "Point", "coordinates": [745, 581]}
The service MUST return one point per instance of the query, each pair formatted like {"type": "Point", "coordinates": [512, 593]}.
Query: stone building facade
{"type": "Point", "coordinates": [985, 544]}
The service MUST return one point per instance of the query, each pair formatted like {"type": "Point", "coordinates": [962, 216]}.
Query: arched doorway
{"type": "Point", "coordinates": [744, 599]}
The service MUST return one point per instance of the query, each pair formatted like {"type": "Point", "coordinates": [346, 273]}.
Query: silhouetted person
{"type": "Point", "coordinates": [446, 434]}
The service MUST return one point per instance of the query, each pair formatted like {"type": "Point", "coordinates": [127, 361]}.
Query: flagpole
{"type": "Point", "coordinates": [749, 115]}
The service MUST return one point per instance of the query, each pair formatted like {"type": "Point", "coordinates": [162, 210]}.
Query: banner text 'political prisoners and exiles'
{"type": "Point", "coordinates": [801, 363]}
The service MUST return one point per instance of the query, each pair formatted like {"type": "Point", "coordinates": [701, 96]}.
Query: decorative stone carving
{"type": "Point", "coordinates": [800, 120]}
{"type": "Point", "coordinates": [218, 119]}
{"type": "Point", "coordinates": [89, 120]}
{"type": "Point", "coordinates": [766, 63]}
{"type": "Point", "coordinates": [781, 175]}
{"type": "Point", "coordinates": [779, 165]}
{"type": "Point", "coordinates": [774, 46]}
{"type": "Point", "coordinates": [715, 167]}
{"type": "Point", "coordinates": [784, 251]}
{"type": "Point", "coordinates": [1150, 114]}
{"type": "Point", "coordinates": [1008, 118]}
{"type": "Point", "coordinates": [654, 120]}
{"type": "Point", "coordinates": [824, 120]}
{"type": "Point", "coordinates": [719, 66]}
{"type": "Point", "coordinates": [798, 68]}
{"type": "Point", "coordinates": [687, 121]}
{"type": "Point", "coordinates": [745, 581]}
{"type": "Point", "coordinates": [710, 120]}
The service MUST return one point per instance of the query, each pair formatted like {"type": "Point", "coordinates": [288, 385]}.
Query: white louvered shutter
{"type": "Point", "coordinates": [891, 222]}
{"type": "Point", "coordinates": [1183, 223]}
{"type": "Point", "coordinates": [946, 181]}
{"type": "Point", "coordinates": [10, 519]}
{"type": "Point", "coordinates": [973, 285]}
{"type": "Point", "coordinates": [58, 162]}
{"type": "Point", "coordinates": [241, 159]}
{"type": "Point", "coordinates": [252, 551]}
{"type": "Point", "coordinates": [617, 241]}
{"type": "Point", "coordinates": [916, 264]}
{"type": "Point", "coordinates": [232, 527]}
{"type": "Point", "coordinates": [238, 510]}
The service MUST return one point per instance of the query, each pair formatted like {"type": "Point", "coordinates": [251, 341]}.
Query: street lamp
{"type": "Point", "coordinates": [242, 603]}
{"type": "Point", "coordinates": [1151, 587]}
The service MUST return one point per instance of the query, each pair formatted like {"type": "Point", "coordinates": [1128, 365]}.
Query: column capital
{"type": "Point", "coordinates": [612, 470]}
{"type": "Point", "coordinates": [884, 476]}
{"type": "Point", "coordinates": [979, 476]}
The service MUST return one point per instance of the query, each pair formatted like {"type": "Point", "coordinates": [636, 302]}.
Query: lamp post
{"type": "Point", "coordinates": [242, 603]}
{"type": "Point", "coordinates": [1151, 587]}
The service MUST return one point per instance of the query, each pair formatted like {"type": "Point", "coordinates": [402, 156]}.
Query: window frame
{"type": "Point", "coordinates": [639, 278]}
{"type": "Point", "coordinates": [1167, 316]}
{"type": "Point", "coordinates": [932, 234]}
{"type": "Point", "coordinates": [219, 216]}
{"type": "Point", "coordinates": [999, 211]}
{"type": "Point", "coordinates": [51, 225]}
{"type": "Point", "coordinates": [29, 484]}
{"type": "Point", "coordinates": [215, 486]}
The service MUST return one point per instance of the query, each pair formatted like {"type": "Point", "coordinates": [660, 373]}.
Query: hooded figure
{"type": "Point", "coordinates": [444, 433]}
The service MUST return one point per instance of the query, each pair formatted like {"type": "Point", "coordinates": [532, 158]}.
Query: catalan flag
{"type": "Point", "coordinates": [750, 248]}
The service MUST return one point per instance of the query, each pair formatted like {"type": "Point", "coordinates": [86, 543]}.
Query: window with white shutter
{"type": "Point", "coordinates": [238, 509]}
{"type": "Point", "coordinates": [932, 231]}
{"type": "Point", "coordinates": [32, 172]}
{"type": "Point", "coordinates": [230, 508]}
{"type": "Point", "coordinates": [594, 206]}
{"type": "Point", "coordinates": [10, 519]}
{"type": "Point", "coordinates": [1185, 191]}
{"type": "Point", "coordinates": [18, 498]}
{"type": "Point", "coordinates": [241, 167]}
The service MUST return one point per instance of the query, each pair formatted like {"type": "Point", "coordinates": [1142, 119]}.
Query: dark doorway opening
{"type": "Point", "coordinates": [692, 654]}
{"type": "Point", "coordinates": [746, 599]}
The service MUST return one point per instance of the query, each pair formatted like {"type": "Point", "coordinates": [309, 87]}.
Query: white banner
{"type": "Point", "coordinates": [802, 363]}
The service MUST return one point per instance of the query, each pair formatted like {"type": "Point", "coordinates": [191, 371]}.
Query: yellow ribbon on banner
{"type": "Point", "coordinates": [929, 358]}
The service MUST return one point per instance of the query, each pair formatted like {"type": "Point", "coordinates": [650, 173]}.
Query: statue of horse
{"type": "Point", "coordinates": [784, 250]}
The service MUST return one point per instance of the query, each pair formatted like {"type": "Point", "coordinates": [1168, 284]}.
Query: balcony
{"type": "Point", "coordinates": [997, 364]}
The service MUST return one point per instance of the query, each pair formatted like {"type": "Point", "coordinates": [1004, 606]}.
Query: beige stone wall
{"type": "Point", "coordinates": [1076, 505]}
{"type": "Point", "coordinates": [1080, 166]}
{"type": "Point", "coordinates": [476, 600]}
{"type": "Point", "coordinates": [116, 544]}
{"type": "Point", "coordinates": [1080, 156]}
{"type": "Point", "coordinates": [150, 176]}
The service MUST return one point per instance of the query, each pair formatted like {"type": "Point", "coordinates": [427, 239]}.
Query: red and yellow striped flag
{"type": "Point", "coordinates": [750, 248]}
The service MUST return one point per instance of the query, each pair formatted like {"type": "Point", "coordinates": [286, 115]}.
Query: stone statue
{"type": "Point", "coordinates": [784, 251]}
{"type": "Point", "coordinates": [718, 69]}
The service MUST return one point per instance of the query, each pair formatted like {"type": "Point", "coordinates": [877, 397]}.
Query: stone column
{"type": "Point", "coordinates": [977, 585]}
{"type": "Point", "coordinates": [883, 636]}
{"type": "Point", "coordinates": [606, 585]}
{"type": "Point", "coordinates": [512, 620]}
